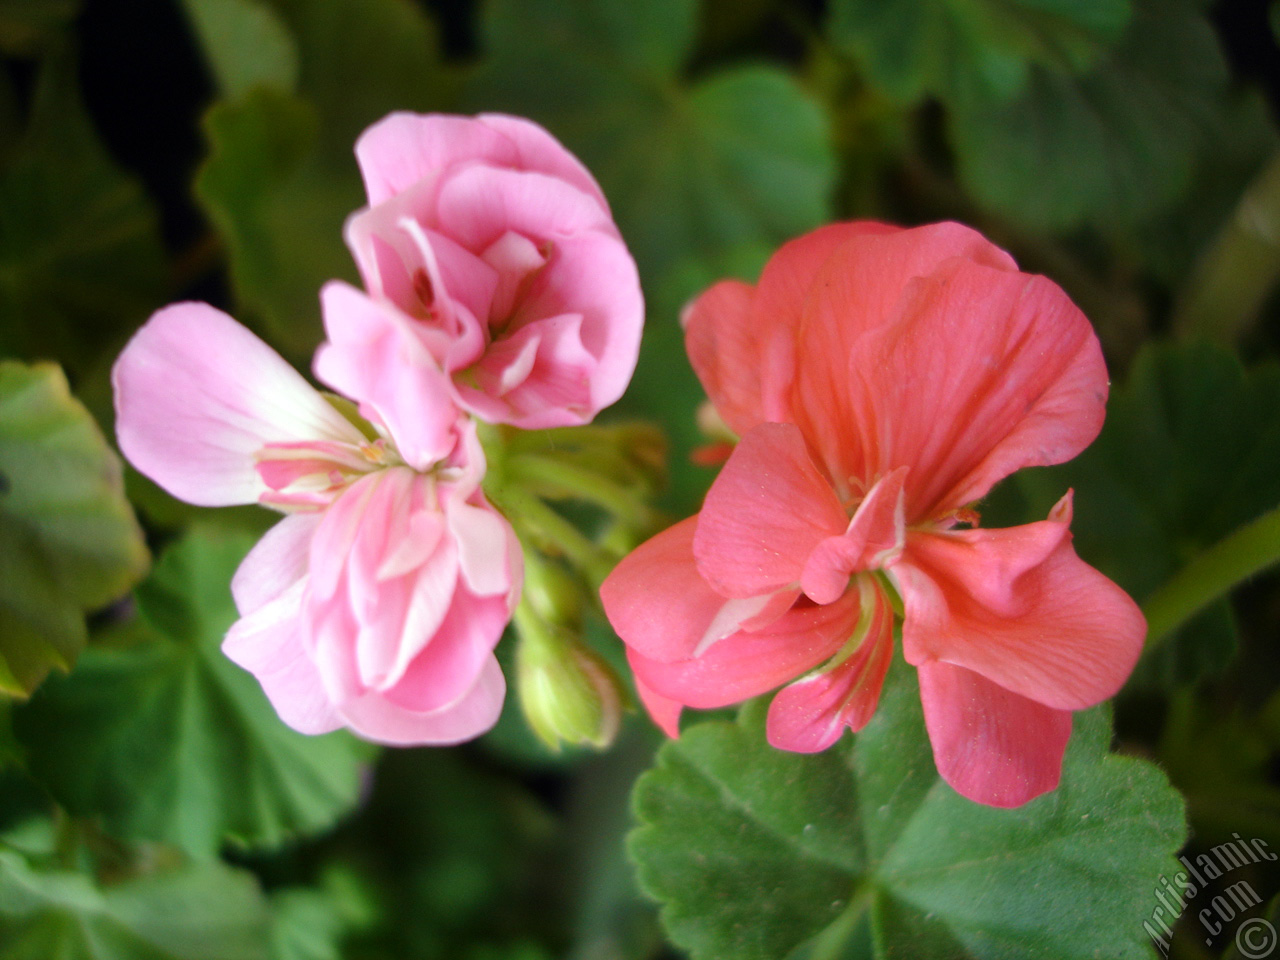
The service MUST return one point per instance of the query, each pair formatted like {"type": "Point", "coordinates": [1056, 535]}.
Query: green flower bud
{"type": "Point", "coordinates": [567, 691]}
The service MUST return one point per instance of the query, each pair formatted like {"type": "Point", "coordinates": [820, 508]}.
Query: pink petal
{"type": "Point", "coordinates": [810, 714]}
{"type": "Point", "coordinates": [276, 562]}
{"type": "Point", "coordinates": [746, 664]}
{"type": "Point", "coordinates": [377, 718]}
{"type": "Point", "coordinates": [541, 152]}
{"type": "Point", "coordinates": [664, 711]}
{"type": "Point", "coordinates": [375, 357]}
{"type": "Point", "coordinates": [197, 395]}
{"type": "Point", "coordinates": [536, 378]}
{"type": "Point", "coordinates": [990, 745]}
{"type": "Point", "coordinates": [1019, 607]}
{"type": "Point", "coordinates": [487, 548]}
{"type": "Point", "coordinates": [447, 666]}
{"type": "Point", "coordinates": [766, 512]}
{"type": "Point", "coordinates": [267, 643]}
{"type": "Point", "coordinates": [478, 204]}
{"type": "Point", "coordinates": [404, 148]}
{"type": "Point", "coordinates": [976, 372]}
{"type": "Point", "coordinates": [662, 609]}
{"type": "Point", "coordinates": [874, 539]}
{"type": "Point", "coordinates": [592, 274]}
{"type": "Point", "coordinates": [514, 258]}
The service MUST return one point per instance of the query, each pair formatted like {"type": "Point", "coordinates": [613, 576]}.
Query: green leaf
{"type": "Point", "coordinates": [246, 43]}
{"type": "Point", "coordinates": [738, 158]}
{"type": "Point", "coordinates": [1190, 451]}
{"type": "Point", "coordinates": [1111, 147]}
{"type": "Point", "coordinates": [209, 912]}
{"type": "Point", "coordinates": [163, 738]}
{"type": "Point", "coordinates": [281, 178]}
{"type": "Point", "coordinates": [69, 543]}
{"type": "Point", "coordinates": [944, 47]}
{"type": "Point", "coordinates": [80, 254]}
{"type": "Point", "coordinates": [753, 852]}
{"type": "Point", "coordinates": [279, 209]}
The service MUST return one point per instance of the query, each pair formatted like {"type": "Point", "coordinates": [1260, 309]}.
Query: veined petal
{"type": "Point", "coordinates": [746, 664]}
{"type": "Point", "coordinates": [977, 372]}
{"type": "Point", "coordinates": [1020, 608]}
{"type": "Point", "coordinates": [477, 204]}
{"type": "Point", "coordinates": [268, 644]}
{"type": "Point", "coordinates": [742, 340]}
{"type": "Point", "coordinates": [375, 717]}
{"type": "Point", "coordinates": [403, 149]}
{"type": "Point", "coordinates": [197, 395]}
{"type": "Point", "coordinates": [989, 744]}
{"type": "Point", "coordinates": [764, 514]}
{"type": "Point", "coordinates": [374, 356]}
{"type": "Point", "coordinates": [874, 539]}
{"type": "Point", "coordinates": [276, 562]}
{"type": "Point", "coordinates": [661, 607]}
{"type": "Point", "coordinates": [539, 151]}
{"type": "Point", "coordinates": [809, 715]}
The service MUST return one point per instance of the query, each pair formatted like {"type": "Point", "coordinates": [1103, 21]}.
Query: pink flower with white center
{"type": "Point", "coordinates": [377, 602]}
{"type": "Point", "coordinates": [500, 253]}
{"type": "Point", "coordinates": [883, 380]}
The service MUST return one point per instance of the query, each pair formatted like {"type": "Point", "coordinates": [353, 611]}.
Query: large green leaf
{"type": "Point", "coordinates": [80, 255]}
{"type": "Point", "coordinates": [912, 48]}
{"type": "Point", "coordinates": [1110, 147]}
{"type": "Point", "coordinates": [281, 176]}
{"type": "Point", "coordinates": [1190, 451]}
{"type": "Point", "coordinates": [69, 542]}
{"type": "Point", "coordinates": [209, 912]}
{"type": "Point", "coordinates": [246, 44]}
{"type": "Point", "coordinates": [691, 169]}
{"type": "Point", "coordinates": [163, 738]}
{"type": "Point", "coordinates": [754, 852]}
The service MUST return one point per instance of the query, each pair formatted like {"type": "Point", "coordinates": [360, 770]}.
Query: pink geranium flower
{"type": "Point", "coordinates": [377, 601]}
{"type": "Point", "coordinates": [499, 251]}
{"type": "Point", "coordinates": [883, 380]}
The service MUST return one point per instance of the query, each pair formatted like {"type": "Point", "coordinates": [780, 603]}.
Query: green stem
{"type": "Point", "coordinates": [1248, 551]}
{"type": "Point", "coordinates": [1240, 268]}
{"type": "Point", "coordinates": [554, 533]}
{"type": "Point", "coordinates": [833, 942]}
{"type": "Point", "coordinates": [562, 480]}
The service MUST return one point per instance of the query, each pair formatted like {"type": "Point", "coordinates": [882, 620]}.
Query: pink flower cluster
{"type": "Point", "coordinates": [881, 381]}
{"type": "Point", "coordinates": [497, 287]}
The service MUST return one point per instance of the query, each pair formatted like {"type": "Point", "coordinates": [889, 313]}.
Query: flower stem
{"type": "Point", "coordinates": [1245, 552]}
{"type": "Point", "coordinates": [560, 480]}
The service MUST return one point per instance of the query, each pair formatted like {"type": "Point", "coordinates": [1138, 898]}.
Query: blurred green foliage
{"type": "Point", "coordinates": [153, 806]}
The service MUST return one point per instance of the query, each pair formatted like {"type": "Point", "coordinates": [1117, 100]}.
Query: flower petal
{"type": "Point", "coordinates": [748, 663]}
{"type": "Point", "coordinates": [874, 539]}
{"type": "Point", "coordinates": [1019, 607]}
{"type": "Point", "coordinates": [374, 356]}
{"type": "Point", "coordinates": [478, 204]}
{"type": "Point", "coordinates": [539, 151]}
{"type": "Point", "coordinates": [268, 644]}
{"type": "Point", "coordinates": [402, 149]}
{"type": "Point", "coordinates": [977, 372]}
{"type": "Point", "coordinates": [764, 514]}
{"type": "Point", "coordinates": [664, 711]}
{"type": "Point", "coordinates": [742, 340]}
{"type": "Point", "coordinates": [377, 718]}
{"type": "Point", "coordinates": [990, 745]}
{"type": "Point", "coordinates": [663, 609]}
{"type": "Point", "coordinates": [197, 395]}
{"type": "Point", "coordinates": [809, 715]}
{"type": "Point", "coordinates": [276, 562]}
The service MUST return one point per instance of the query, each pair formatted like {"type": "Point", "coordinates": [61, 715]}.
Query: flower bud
{"type": "Point", "coordinates": [567, 691]}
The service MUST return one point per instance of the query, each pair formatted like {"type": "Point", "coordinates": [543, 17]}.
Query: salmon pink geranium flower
{"type": "Point", "coordinates": [498, 249]}
{"type": "Point", "coordinates": [376, 603]}
{"type": "Point", "coordinates": [882, 380]}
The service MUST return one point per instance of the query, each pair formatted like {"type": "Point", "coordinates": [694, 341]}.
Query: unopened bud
{"type": "Point", "coordinates": [567, 691]}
